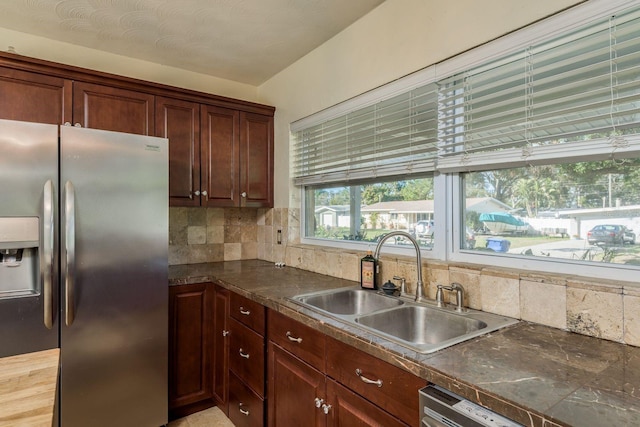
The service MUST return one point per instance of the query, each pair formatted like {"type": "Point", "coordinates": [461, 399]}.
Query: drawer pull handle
{"type": "Point", "coordinates": [319, 402]}
{"type": "Point", "coordinates": [292, 338]}
{"type": "Point", "coordinates": [325, 408]}
{"type": "Point", "coordinates": [367, 380]}
{"type": "Point", "coordinates": [245, 312]}
{"type": "Point", "coordinates": [246, 356]}
{"type": "Point", "coordinates": [243, 411]}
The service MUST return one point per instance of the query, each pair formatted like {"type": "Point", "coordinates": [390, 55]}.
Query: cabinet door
{"type": "Point", "coordinates": [294, 387]}
{"type": "Point", "coordinates": [108, 108]}
{"type": "Point", "coordinates": [180, 122]}
{"type": "Point", "coordinates": [256, 160]}
{"type": "Point", "coordinates": [32, 97]}
{"type": "Point", "coordinates": [351, 410]}
{"type": "Point", "coordinates": [221, 349]}
{"type": "Point", "coordinates": [190, 347]}
{"type": "Point", "coordinates": [219, 156]}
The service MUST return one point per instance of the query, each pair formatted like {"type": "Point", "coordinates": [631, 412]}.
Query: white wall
{"type": "Point", "coordinates": [395, 39]}
{"type": "Point", "coordinates": [65, 53]}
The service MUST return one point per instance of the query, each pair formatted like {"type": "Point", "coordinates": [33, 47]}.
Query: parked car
{"type": "Point", "coordinates": [629, 236]}
{"type": "Point", "coordinates": [606, 234]}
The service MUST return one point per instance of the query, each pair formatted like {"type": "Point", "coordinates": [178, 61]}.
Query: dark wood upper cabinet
{"type": "Point", "coordinates": [219, 154]}
{"type": "Point", "coordinates": [34, 97]}
{"type": "Point", "coordinates": [237, 158]}
{"type": "Point", "coordinates": [220, 149]}
{"type": "Point", "coordinates": [109, 108]}
{"type": "Point", "coordinates": [179, 121]}
{"type": "Point", "coordinates": [256, 160]}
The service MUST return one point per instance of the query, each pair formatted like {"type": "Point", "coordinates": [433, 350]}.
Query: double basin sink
{"type": "Point", "coordinates": [421, 327]}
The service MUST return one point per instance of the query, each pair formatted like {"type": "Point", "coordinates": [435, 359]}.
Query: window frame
{"type": "Point", "coordinates": [449, 204]}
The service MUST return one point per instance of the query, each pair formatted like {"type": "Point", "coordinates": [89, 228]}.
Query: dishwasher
{"type": "Point", "coordinates": [442, 408]}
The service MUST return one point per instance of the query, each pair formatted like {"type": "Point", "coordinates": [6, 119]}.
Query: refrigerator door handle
{"type": "Point", "coordinates": [48, 233]}
{"type": "Point", "coordinates": [70, 252]}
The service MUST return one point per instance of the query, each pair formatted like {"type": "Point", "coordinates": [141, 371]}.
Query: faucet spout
{"type": "Point", "coordinates": [419, 291]}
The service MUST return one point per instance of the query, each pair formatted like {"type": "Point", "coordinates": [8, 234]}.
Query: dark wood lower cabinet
{"type": "Point", "coordinates": [190, 348]}
{"type": "Point", "coordinates": [246, 408]}
{"type": "Point", "coordinates": [294, 387]}
{"type": "Point", "coordinates": [313, 382]}
{"type": "Point", "coordinates": [221, 349]}
{"type": "Point", "coordinates": [349, 409]}
{"type": "Point", "coordinates": [215, 358]}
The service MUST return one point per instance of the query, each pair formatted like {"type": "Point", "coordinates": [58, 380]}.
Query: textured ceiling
{"type": "Point", "coordinates": [247, 41]}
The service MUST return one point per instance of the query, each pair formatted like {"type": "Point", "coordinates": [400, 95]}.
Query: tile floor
{"type": "Point", "coordinates": [212, 417]}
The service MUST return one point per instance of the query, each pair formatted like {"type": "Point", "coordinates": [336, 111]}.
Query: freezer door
{"type": "Point", "coordinates": [114, 249]}
{"type": "Point", "coordinates": [28, 181]}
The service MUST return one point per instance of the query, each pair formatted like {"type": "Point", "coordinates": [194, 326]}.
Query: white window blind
{"type": "Point", "coordinates": [578, 87]}
{"type": "Point", "coordinates": [393, 137]}
{"type": "Point", "coordinates": [570, 86]}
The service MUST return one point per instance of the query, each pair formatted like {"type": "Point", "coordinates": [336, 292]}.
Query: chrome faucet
{"type": "Point", "coordinates": [418, 256]}
{"type": "Point", "coordinates": [455, 287]}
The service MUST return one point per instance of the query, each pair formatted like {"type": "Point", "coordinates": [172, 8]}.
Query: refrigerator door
{"type": "Point", "coordinates": [28, 274]}
{"type": "Point", "coordinates": [114, 249]}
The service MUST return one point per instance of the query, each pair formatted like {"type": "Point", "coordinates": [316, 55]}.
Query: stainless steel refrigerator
{"type": "Point", "coordinates": [83, 266]}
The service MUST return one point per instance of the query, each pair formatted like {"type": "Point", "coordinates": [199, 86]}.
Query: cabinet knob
{"type": "Point", "coordinates": [197, 192]}
{"type": "Point", "coordinates": [225, 333]}
{"type": "Point", "coordinates": [319, 402]}
{"type": "Point", "coordinates": [244, 194]}
{"type": "Point", "coordinates": [204, 193]}
{"type": "Point", "coordinates": [326, 408]}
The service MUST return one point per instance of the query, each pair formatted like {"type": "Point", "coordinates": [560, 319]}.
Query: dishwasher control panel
{"type": "Point", "coordinates": [441, 407]}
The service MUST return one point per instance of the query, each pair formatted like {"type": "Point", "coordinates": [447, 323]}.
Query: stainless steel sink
{"type": "Point", "coordinates": [349, 301]}
{"type": "Point", "coordinates": [422, 327]}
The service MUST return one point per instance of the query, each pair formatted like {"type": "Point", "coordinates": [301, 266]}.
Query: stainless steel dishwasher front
{"type": "Point", "coordinates": [442, 408]}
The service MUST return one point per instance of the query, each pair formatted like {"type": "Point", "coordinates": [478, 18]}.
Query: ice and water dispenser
{"type": "Point", "coordinates": [19, 244]}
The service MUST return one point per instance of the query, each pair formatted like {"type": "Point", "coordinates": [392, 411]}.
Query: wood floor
{"type": "Point", "coordinates": [212, 417]}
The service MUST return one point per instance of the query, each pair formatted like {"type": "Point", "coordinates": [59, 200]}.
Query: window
{"type": "Point", "coordinates": [586, 211]}
{"type": "Point", "coordinates": [530, 145]}
{"type": "Point", "coordinates": [361, 213]}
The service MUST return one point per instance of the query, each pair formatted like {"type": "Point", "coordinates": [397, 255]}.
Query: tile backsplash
{"type": "Point", "coordinates": [599, 308]}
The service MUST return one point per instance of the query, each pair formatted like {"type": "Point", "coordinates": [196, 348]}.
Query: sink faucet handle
{"type": "Point", "coordinates": [439, 296]}
{"type": "Point", "coordinates": [403, 284]}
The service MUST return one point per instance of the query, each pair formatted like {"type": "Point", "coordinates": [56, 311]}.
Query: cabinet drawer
{"type": "Point", "coordinates": [248, 312]}
{"type": "Point", "coordinates": [300, 340]}
{"type": "Point", "coordinates": [245, 407]}
{"type": "Point", "coordinates": [398, 393]}
{"type": "Point", "coordinates": [246, 355]}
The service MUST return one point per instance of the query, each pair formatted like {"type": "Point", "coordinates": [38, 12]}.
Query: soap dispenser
{"type": "Point", "coordinates": [368, 271]}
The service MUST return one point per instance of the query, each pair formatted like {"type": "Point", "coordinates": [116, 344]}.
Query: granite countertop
{"type": "Point", "coordinates": [536, 375]}
{"type": "Point", "coordinates": [28, 388]}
